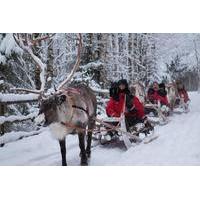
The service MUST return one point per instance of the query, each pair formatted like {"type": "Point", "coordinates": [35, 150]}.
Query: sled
{"type": "Point", "coordinates": [119, 133]}
{"type": "Point", "coordinates": [116, 129]}
{"type": "Point", "coordinates": [150, 138]}
{"type": "Point", "coordinates": [182, 107]}
{"type": "Point", "coordinates": [160, 118]}
{"type": "Point", "coordinates": [157, 121]}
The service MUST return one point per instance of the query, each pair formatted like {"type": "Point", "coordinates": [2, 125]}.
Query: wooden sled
{"type": "Point", "coordinates": [117, 127]}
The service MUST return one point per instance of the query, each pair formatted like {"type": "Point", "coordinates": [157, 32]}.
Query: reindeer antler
{"type": "Point", "coordinates": [76, 66]}
{"type": "Point", "coordinates": [26, 41]}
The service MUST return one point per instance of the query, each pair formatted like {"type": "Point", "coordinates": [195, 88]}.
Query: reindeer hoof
{"type": "Point", "coordinates": [64, 164]}
{"type": "Point", "coordinates": [84, 162]}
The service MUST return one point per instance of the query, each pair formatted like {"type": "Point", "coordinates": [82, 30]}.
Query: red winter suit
{"type": "Point", "coordinates": [115, 108]}
{"type": "Point", "coordinates": [183, 93]}
{"type": "Point", "coordinates": [154, 97]}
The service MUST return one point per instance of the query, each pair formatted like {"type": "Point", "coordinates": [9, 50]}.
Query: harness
{"type": "Point", "coordinates": [78, 107]}
{"type": "Point", "coordinates": [72, 102]}
{"type": "Point", "coordinates": [71, 125]}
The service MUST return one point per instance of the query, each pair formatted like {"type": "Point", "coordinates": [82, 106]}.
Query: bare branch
{"type": "Point", "coordinates": [35, 41]}
{"type": "Point", "coordinates": [76, 66]}
{"type": "Point", "coordinates": [26, 44]}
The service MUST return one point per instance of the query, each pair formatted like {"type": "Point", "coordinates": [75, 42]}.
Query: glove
{"type": "Point", "coordinates": [132, 110]}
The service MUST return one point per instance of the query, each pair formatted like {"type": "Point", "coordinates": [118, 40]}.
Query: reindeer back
{"type": "Point", "coordinates": [138, 90]}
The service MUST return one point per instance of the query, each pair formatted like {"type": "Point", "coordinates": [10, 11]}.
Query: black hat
{"type": "Point", "coordinates": [162, 85]}
{"type": "Point", "coordinates": [123, 82]}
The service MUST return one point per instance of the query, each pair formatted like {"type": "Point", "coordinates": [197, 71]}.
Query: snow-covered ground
{"type": "Point", "coordinates": [178, 144]}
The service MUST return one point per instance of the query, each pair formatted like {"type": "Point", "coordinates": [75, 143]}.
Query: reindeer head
{"type": "Point", "coordinates": [49, 107]}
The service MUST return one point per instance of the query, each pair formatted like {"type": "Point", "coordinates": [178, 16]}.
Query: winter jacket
{"type": "Point", "coordinates": [115, 108]}
{"type": "Point", "coordinates": [183, 93]}
{"type": "Point", "coordinates": [155, 96]}
{"type": "Point", "coordinates": [163, 100]}
{"type": "Point", "coordinates": [152, 95]}
{"type": "Point", "coordinates": [162, 96]}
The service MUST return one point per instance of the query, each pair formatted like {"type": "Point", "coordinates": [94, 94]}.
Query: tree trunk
{"type": "Point", "coordinates": [2, 113]}
{"type": "Point", "coordinates": [50, 59]}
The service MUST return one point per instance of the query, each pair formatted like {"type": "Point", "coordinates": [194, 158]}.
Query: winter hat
{"type": "Point", "coordinates": [114, 91]}
{"type": "Point", "coordinates": [123, 82]}
{"type": "Point", "coordinates": [162, 85]}
{"type": "Point", "coordinates": [155, 82]}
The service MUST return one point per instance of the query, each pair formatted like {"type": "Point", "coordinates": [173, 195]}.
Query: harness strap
{"type": "Point", "coordinates": [78, 107]}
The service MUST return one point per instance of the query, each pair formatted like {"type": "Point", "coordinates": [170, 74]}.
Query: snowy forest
{"type": "Point", "coordinates": [105, 57]}
{"type": "Point", "coordinates": [42, 61]}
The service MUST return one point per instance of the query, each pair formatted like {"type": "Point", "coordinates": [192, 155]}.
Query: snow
{"type": "Point", "coordinates": [17, 97]}
{"type": "Point", "coordinates": [8, 45]}
{"type": "Point", "coordinates": [49, 79]}
{"type": "Point", "coordinates": [40, 64]}
{"type": "Point", "coordinates": [1, 82]}
{"type": "Point", "coordinates": [2, 59]}
{"type": "Point", "coordinates": [14, 136]}
{"type": "Point", "coordinates": [94, 65]}
{"type": "Point", "coordinates": [105, 91]}
{"type": "Point", "coordinates": [13, 118]}
{"type": "Point", "coordinates": [177, 144]}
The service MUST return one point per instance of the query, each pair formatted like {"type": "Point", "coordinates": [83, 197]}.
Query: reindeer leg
{"type": "Point", "coordinates": [63, 151]}
{"type": "Point", "coordinates": [89, 141]}
{"type": "Point", "coordinates": [81, 137]}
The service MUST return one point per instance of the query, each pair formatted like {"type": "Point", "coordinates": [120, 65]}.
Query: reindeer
{"type": "Point", "coordinates": [171, 94]}
{"type": "Point", "coordinates": [71, 109]}
{"type": "Point", "coordinates": [138, 90]}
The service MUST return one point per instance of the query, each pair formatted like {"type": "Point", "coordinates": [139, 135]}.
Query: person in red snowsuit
{"type": "Point", "coordinates": [162, 95]}
{"type": "Point", "coordinates": [152, 94]}
{"type": "Point", "coordinates": [158, 93]}
{"type": "Point", "coordinates": [133, 106]}
{"type": "Point", "coordinates": [115, 108]}
{"type": "Point", "coordinates": [134, 109]}
{"type": "Point", "coordinates": [182, 93]}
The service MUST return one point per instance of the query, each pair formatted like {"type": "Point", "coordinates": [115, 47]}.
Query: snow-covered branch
{"type": "Point", "coordinates": [20, 98]}
{"type": "Point", "coordinates": [14, 136]}
{"type": "Point", "coordinates": [97, 90]}
{"type": "Point", "coordinates": [17, 118]}
{"type": "Point", "coordinates": [26, 45]}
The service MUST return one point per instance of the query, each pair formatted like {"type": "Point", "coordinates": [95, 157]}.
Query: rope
{"type": "Point", "coordinates": [110, 127]}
